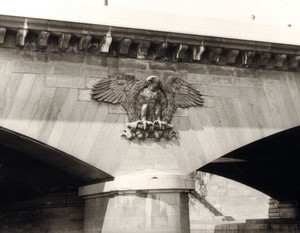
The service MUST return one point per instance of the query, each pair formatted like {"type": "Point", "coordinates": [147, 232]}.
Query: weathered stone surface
{"type": "Point", "coordinates": [42, 40]}
{"type": "Point", "coordinates": [32, 67]}
{"type": "Point", "coordinates": [197, 52]}
{"type": "Point", "coordinates": [65, 81]}
{"type": "Point", "coordinates": [142, 50]}
{"type": "Point", "coordinates": [85, 95]}
{"type": "Point", "coordinates": [64, 41]}
{"type": "Point", "coordinates": [70, 57]}
{"type": "Point", "coordinates": [86, 39]}
{"type": "Point", "coordinates": [132, 64]}
{"type": "Point", "coordinates": [54, 213]}
{"type": "Point", "coordinates": [231, 56]}
{"type": "Point", "coordinates": [180, 51]}
{"type": "Point", "coordinates": [247, 57]}
{"type": "Point", "coordinates": [85, 42]}
{"type": "Point", "coordinates": [116, 109]}
{"type": "Point", "coordinates": [264, 59]}
{"type": "Point", "coordinates": [2, 34]}
{"type": "Point", "coordinates": [161, 50]}
{"type": "Point", "coordinates": [105, 43]}
{"type": "Point", "coordinates": [294, 62]}
{"type": "Point", "coordinates": [90, 81]}
{"type": "Point", "coordinates": [214, 55]}
{"type": "Point", "coordinates": [279, 60]}
{"type": "Point", "coordinates": [21, 34]}
{"type": "Point", "coordinates": [124, 45]}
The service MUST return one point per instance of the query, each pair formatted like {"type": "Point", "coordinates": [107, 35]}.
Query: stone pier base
{"type": "Point", "coordinates": [261, 226]}
{"type": "Point", "coordinates": [152, 205]}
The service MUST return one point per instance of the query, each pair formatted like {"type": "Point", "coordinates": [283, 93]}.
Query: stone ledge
{"type": "Point", "coordinates": [140, 182]}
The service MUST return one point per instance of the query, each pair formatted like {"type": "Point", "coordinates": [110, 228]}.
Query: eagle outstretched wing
{"type": "Point", "coordinates": [185, 95]}
{"type": "Point", "coordinates": [180, 94]}
{"type": "Point", "coordinates": [114, 90]}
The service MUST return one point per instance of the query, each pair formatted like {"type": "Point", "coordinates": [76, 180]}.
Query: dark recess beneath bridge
{"type": "Point", "coordinates": [270, 165]}
{"type": "Point", "coordinates": [30, 169]}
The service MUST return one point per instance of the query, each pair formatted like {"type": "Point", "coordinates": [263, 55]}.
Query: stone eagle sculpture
{"type": "Point", "coordinates": [150, 104]}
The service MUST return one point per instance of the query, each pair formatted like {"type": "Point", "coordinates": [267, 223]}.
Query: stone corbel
{"type": "Point", "coordinates": [106, 42]}
{"type": "Point", "coordinates": [85, 42]}
{"type": "Point", "coordinates": [161, 50]}
{"type": "Point", "coordinates": [264, 59]}
{"type": "Point", "coordinates": [197, 52]}
{"type": "Point", "coordinates": [247, 57]}
{"type": "Point", "coordinates": [279, 60]}
{"type": "Point", "coordinates": [180, 51]}
{"type": "Point", "coordinates": [42, 40]}
{"type": "Point", "coordinates": [231, 56]}
{"type": "Point", "coordinates": [142, 50]}
{"type": "Point", "coordinates": [21, 34]}
{"type": "Point", "coordinates": [124, 45]}
{"type": "Point", "coordinates": [64, 41]}
{"type": "Point", "coordinates": [294, 62]}
{"type": "Point", "coordinates": [73, 46]}
{"type": "Point", "coordinates": [2, 35]}
{"type": "Point", "coordinates": [214, 55]}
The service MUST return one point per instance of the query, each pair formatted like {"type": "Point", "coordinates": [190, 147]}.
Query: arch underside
{"type": "Point", "coordinates": [270, 165]}
{"type": "Point", "coordinates": [29, 168]}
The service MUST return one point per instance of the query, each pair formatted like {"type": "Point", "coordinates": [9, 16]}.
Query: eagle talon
{"type": "Point", "coordinates": [161, 124]}
{"type": "Point", "coordinates": [146, 123]}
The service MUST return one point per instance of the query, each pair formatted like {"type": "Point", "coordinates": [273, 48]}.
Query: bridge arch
{"type": "Point", "coordinates": [30, 168]}
{"type": "Point", "coordinates": [270, 165]}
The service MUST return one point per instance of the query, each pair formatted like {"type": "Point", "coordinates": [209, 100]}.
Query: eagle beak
{"type": "Point", "coordinates": [151, 78]}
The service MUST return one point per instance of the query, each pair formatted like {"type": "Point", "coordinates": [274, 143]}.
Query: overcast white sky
{"type": "Point", "coordinates": [282, 12]}
{"type": "Point", "coordinates": [265, 20]}
{"type": "Point", "coordinates": [266, 11]}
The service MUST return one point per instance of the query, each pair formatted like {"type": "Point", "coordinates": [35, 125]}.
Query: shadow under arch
{"type": "Point", "coordinates": [270, 165]}
{"type": "Point", "coordinates": [31, 168]}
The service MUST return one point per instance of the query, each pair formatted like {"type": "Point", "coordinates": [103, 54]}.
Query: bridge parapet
{"type": "Point", "coordinates": [57, 36]}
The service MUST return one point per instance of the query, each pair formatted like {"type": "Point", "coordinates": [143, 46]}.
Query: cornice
{"type": "Point", "coordinates": [105, 40]}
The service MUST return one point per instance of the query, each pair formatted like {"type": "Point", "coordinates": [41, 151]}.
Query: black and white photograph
{"type": "Point", "coordinates": [150, 116]}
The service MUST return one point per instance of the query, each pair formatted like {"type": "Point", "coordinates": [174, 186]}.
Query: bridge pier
{"type": "Point", "coordinates": [289, 209]}
{"type": "Point", "coordinates": [138, 204]}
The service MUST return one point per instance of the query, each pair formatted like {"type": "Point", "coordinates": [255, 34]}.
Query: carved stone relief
{"type": "Point", "coordinates": [150, 104]}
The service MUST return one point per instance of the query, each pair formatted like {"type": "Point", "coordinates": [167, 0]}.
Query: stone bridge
{"type": "Point", "coordinates": [251, 90]}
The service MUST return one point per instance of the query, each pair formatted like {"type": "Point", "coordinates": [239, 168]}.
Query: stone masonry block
{"type": "Point", "coordinates": [94, 71]}
{"type": "Point", "coordinates": [247, 82]}
{"type": "Point", "coordinates": [224, 91]}
{"type": "Point", "coordinates": [154, 65]}
{"type": "Point", "coordinates": [9, 53]}
{"type": "Point", "coordinates": [2, 34]}
{"type": "Point", "coordinates": [116, 109]}
{"type": "Point", "coordinates": [65, 81]}
{"type": "Point", "coordinates": [193, 68]}
{"type": "Point", "coordinates": [181, 112]}
{"type": "Point", "coordinates": [133, 64]}
{"type": "Point", "coordinates": [249, 73]}
{"type": "Point", "coordinates": [221, 70]}
{"type": "Point", "coordinates": [91, 81]}
{"type": "Point", "coordinates": [198, 78]}
{"type": "Point", "coordinates": [66, 69]}
{"type": "Point", "coordinates": [209, 79]}
{"type": "Point", "coordinates": [32, 67]}
{"type": "Point", "coordinates": [85, 95]}
{"type": "Point", "coordinates": [209, 102]}
{"type": "Point", "coordinates": [67, 57]}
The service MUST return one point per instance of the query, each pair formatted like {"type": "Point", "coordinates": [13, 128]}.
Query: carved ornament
{"type": "Point", "coordinates": [150, 104]}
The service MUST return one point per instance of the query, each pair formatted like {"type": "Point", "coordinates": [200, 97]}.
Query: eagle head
{"type": "Point", "coordinates": [153, 82]}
